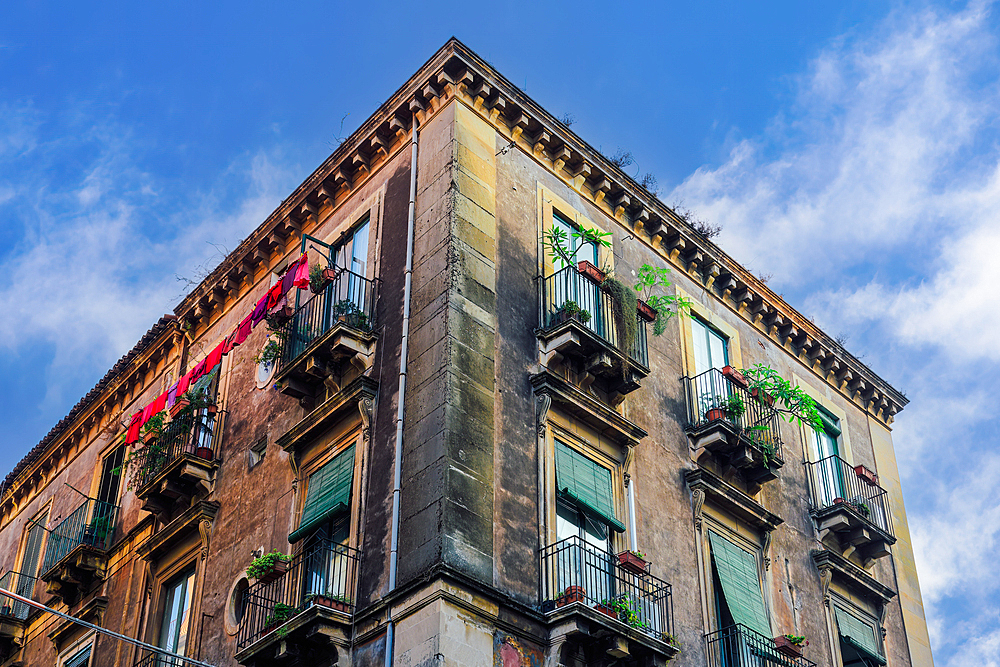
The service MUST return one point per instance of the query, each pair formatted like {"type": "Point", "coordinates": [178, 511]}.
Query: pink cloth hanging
{"type": "Point", "coordinates": [301, 279]}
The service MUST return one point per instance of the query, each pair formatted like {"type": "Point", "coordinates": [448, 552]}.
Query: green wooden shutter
{"type": "Point", "coordinates": [587, 484]}
{"type": "Point", "coordinates": [859, 634]}
{"type": "Point", "coordinates": [329, 493]}
{"type": "Point", "coordinates": [737, 570]}
{"type": "Point", "coordinates": [79, 659]}
{"type": "Point", "coordinates": [830, 422]}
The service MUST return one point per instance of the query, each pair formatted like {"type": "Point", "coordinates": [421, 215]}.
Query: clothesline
{"type": "Point", "coordinates": [297, 275]}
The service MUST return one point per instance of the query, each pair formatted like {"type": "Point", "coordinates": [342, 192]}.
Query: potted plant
{"type": "Point", "coordinates": [348, 312]}
{"type": "Point", "coordinates": [280, 614]}
{"type": "Point", "coordinates": [605, 608]}
{"type": "Point", "coordinates": [268, 354]}
{"type": "Point", "coordinates": [787, 399]}
{"type": "Point", "coordinates": [633, 561]}
{"type": "Point", "coordinates": [790, 645]}
{"type": "Point", "coordinates": [571, 310]}
{"type": "Point", "coordinates": [96, 532]}
{"type": "Point", "coordinates": [570, 595]}
{"type": "Point", "coordinates": [204, 453]}
{"type": "Point", "coordinates": [556, 241]}
{"type": "Point", "coordinates": [336, 602]}
{"type": "Point", "coordinates": [658, 308]}
{"type": "Point", "coordinates": [646, 311]}
{"type": "Point", "coordinates": [591, 272]}
{"type": "Point", "coordinates": [735, 376]}
{"type": "Point", "coordinates": [626, 610]}
{"type": "Point", "coordinates": [723, 407]}
{"type": "Point", "coordinates": [866, 474]}
{"type": "Point", "coordinates": [861, 507]}
{"type": "Point", "coordinates": [268, 567]}
{"type": "Point", "coordinates": [320, 277]}
{"type": "Point", "coordinates": [153, 428]}
{"type": "Point", "coordinates": [178, 407]}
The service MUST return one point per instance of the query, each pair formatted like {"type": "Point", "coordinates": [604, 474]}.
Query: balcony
{"type": "Point", "coordinates": [851, 508]}
{"type": "Point", "coordinates": [304, 614]}
{"type": "Point", "coordinates": [739, 645]}
{"type": "Point", "coordinates": [733, 426]}
{"type": "Point", "coordinates": [13, 613]}
{"type": "Point", "coordinates": [169, 472]}
{"type": "Point", "coordinates": [611, 612]}
{"type": "Point", "coordinates": [596, 344]}
{"type": "Point", "coordinates": [329, 339]}
{"type": "Point", "coordinates": [77, 552]}
{"type": "Point", "coordinates": [147, 658]}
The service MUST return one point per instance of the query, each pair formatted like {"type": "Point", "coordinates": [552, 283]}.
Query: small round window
{"type": "Point", "coordinates": [237, 608]}
{"type": "Point", "coordinates": [265, 371]}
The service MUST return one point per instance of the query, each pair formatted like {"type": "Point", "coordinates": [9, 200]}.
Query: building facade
{"type": "Point", "coordinates": [463, 468]}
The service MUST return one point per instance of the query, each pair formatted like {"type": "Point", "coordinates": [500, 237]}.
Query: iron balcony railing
{"type": "Point", "coordinates": [573, 571]}
{"type": "Point", "coordinates": [713, 396]}
{"type": "Point", "coordinates": [23, 585]}
{"type": "Point", "coordinates": [187, 434]}
{"type": "Point", "coordinates": [571, 285]}
{"type": "Point", "coordinates": [739, 646]}
{"type": "Point", "coordinates": [91, 524]}
{"type": "Point", "coordinates": [835, 482]}
{"type": "Point", "coordinates": [349, 298]}
{"type": "Point", "coordinates": [325, 574]}
{"type": "Point", "coordinates": [147, 658]}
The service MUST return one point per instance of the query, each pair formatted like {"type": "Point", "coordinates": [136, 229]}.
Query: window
{"type": "Point", "coordinates": [711, 349]}
{"type": "Point", "coordinates": [825, 452]}
{"type": "Point", "coordinates": [738, 596]}
{"type": "Point", "coordinates": [78, 657]}
{"type": "Point", "coordinates": [257, 452]}
{"type": "Point", "coordinates": [176, 620]}
{"type": "Point", "coordinates": [325, 528]}
{"type": "Point", "coordinates": [32, 555]}
{"type": "Point", "coordinates": [568, 285]}
{"type": "Point", "coordinates": [859, 644]}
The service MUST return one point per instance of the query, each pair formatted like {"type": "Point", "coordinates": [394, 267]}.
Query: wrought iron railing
{"type": "Point", "coordinates": [23, 585]}
{"type": "Point", "coordinates": [147, 658]}
{"type": "Point", "coordinates": [739, 646]}
{"type": "Point", "coordinates": [91, 524]}
{"type": "Point", "coordinates": [835, 482]}
{"type": "Point", "coordinates": [573, 571]}
{"type": "Point", "coordinates": [325, 574]}
{"type": "Point", "coordinates": [713, 395]}
{"type": "Point", "coordinates": [187, 434]}
{"type": "Point", "coordinates": [571, 285]}
{"type": "Point", "coordinates": [349, 298]}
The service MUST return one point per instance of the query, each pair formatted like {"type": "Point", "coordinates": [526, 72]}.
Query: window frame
{"type": "Point", "coordinates": [715, 522]}
{"type": "Point", "coordinates": [323, 455]}
{"type": "Point", "coordinates": [862, 615]}
{"type": "Point", "coordinates": [88, 641]}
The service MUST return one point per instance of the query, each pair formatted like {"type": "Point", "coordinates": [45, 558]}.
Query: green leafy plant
{"type": "Point", "coordinates": [100, 527]}
{"type": "Point", "coordinates": [572, 308]}
{"type": "Point", "coordinates": [861, 507]}
{"type": "Point", "coordinates": [281, 613]}
{"type": "Point", "coordinates": [627, 610]}
{"type": "Point", "coordinates": [789, 400]}
{"type": "Point", "coordinates": [556, 240]}
{"type": "Point", "coordinates": [673, 641]}
{"type": "Point", "coordinates": [281, 633]}
{"type": "Point", "coordinates": [268, 354]}
{"type": "Point", "coordinates": [316, 280]}
{"type": "Point", "coordinates": [623, 310]}
{"type": "Point", "coordinates": [665, 305]}
{"type": "Point", "coordinates": [797, 640]}
{"type": "Point", "coordinates": [638, 554]}
{"type": "Point", "coordinates": [348, 311]}
{"type": "Point", "coordinates": [262, 565]}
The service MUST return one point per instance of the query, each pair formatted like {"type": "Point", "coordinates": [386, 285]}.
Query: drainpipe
{"type": "Point", "coordinates": [398, 465]}
{"type": "Point", "coordinates": [633, 540]}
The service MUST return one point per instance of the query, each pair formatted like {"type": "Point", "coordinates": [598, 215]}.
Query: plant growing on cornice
{"type": "Point", "coordinates": [673, 641]}
{"type": "Point", "coordinates": [665, 305]}
{"type": "Point", "coordinates": [555, 241]}
{"type": "Point", "coordinates": [789, 400]}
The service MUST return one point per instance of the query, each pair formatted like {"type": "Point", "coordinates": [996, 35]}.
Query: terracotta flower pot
{"type": "Point", "coordinates": [646, 311]}
{"type": "Point", "coordinates": [572, 594]}
{"type": "Point", "coordinates": [178, 405]}
{"type": "Point", "coordinates": [629, 561]}
{"type": "Point", "coordinates": [866, 474]}
{"type": "Point", "coordinates": [604, 609]}
{"type": "Point", "coordinates": [762, 397]}
{"type": "Point", "coordinates": [330, 603]}
{"type": "Point", "coordinates": [274, 573]}
{"type": "Point", "coordinates": [787, 647]}
{"type": "Point", "coordinates": [204, 453]}
{"type": "Point", "coordinates": [591, 272]}
{"type": "Point", "coordinates": [715, 414]}
{"type": "Point", "coordinates": [735, 376]}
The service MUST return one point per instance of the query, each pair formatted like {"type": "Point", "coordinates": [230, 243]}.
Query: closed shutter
{"type": "Point", "coordinates": [858, 634]}
{"type": "Point", "coordinates": [587, 484]}
{"type": "Point", "coordinates": [831, 425]}
{"type": "Point", "coordinates": [81, 659]}
{"type": "Point", "coordinates": [737, 570]}
{"type": "Point", "coordinates": [329, 493]}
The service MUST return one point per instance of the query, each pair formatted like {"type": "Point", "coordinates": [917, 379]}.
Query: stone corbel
{"type": "Point", "coordinates": [480, 94]}
{"type": "Point", "coordinates": [540, 143]}
{"type": "Point", "coordinates": [697, 504]}
{"type": "Point", "coordinates": [825, 577]}
{"type": "Point", "coordinates": [542, 405]}
{"type": "Point", "coordinates": [601, 189]}
{"type": "Point", "coordinates": [519, 125]}
{"type": "Point", "coordinates": [559, 158]}
{"type": "Point", "coordinates": [629, 452]}
{"type": "Point", "coordinates": [765, 549]}
{"type": "Point", "coordinates": [205, 530]}
{"type": "Point", "coordinates": [398, 126]}
{"type": "Point", "coordinates": [497, 108]}
{"type": "Point", "coordinates": [622, 204]}
{"type": "Point", "coordinates": [580, 174]}
{"type": "Point", "coordinates": [365, 407]}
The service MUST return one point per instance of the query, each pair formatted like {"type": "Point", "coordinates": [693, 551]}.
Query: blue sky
{"type": "Point", "coordinates": [850, 150]}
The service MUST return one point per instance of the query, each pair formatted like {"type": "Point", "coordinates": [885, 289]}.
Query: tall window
{"type": "Point", "coordinates": [738, 595]}
{"type": "Point", "coordinates": [711, 349]}
{"type": "Point", "coordinates": [325, 527]}
{"type": "Point", "coordinates": [823, 445]}
{"type": "Point", "coordinates": [32, 557]}
{"type": "Point", "coordinates": [176, 624]}
{"type": "Point", "coordinates": [569, 286]}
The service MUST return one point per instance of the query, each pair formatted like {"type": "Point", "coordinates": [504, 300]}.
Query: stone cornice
{"type": "Point", "coordinates": [850, 575]}
{"type": "Point", "coordinates": [731, 499]}
{"type": "Point", "coordinates": [455, 72]}
{"type": "Point", "coordinates": [587, 409]}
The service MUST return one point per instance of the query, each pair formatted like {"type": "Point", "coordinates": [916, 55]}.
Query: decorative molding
{"type": "Point", "coordinates": [629, 452]}
{"type": "Point", "coordinates": [832, 566]}
{"type": "Point", "coordinates": [697, 505]}
{"type": "Point", "coordinates": [365, 406]}
{"type": "Point", "coordinates": [542, 404]}
{"type": "Point", "coordinates": [765, 549]}
{"type": "Point", "coordinates": [731, 499]}
{"type": "Point", "coordinates": [205, 529]}
{"type": "Point", "coordinates": [587, 409]}
{"type": "Point", "coordinates": [163, 540]}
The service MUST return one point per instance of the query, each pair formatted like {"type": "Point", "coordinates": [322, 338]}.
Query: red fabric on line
{"type": "Point", "coordinates": [214, 357]}
{"type": "Point", "coordinates": [243, 331]}
{"type": "Point", "coordinates": [133, 428]}
{"type": "Point", "coordinates": [301, 279]}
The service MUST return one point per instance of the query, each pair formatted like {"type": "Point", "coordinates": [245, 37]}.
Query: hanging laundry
{"type": "Point", "coordinates": [214, 357]}
{"type": "Point", "coordinates": [184, 383]}
{"type": "Point", "coordinates": [288, 278]}
{"type": "Point", "coordinates": [244, 329]}
{"type": "Point", "coordinates": [133, 428]}
{"type": "Point", "coordinates": [259, 311]}
{"type": "Point", "coordinates": [301, 279]}
{"type": "Point", "coordinates": [172, 395]}
{"type": "Point", "coordinates": [274, 295]}
{"type": "Point", "coordinates": [159, 403]}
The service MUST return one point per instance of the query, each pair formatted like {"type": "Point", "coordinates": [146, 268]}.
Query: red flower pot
{"type": "Point", "coordinates": [337, 605]}
{"type": "Point", "coordinates": [866, 474]}
{"type": "Point", "coordinates": [762, 397]}
{"type": "Point", "coordinates": [274, 573]}
{"type": "Point", "coordinates": [715, 414]}
{"type": "Point", "coordinates": [646, 311]}
{"type": "Point", "coordinates": [572, 594]}
{"type": "Point", "coordinates": [787, 647]}
{"type": "Point", "coordinates": [604, 609]}
{"type": "Point", "coordinates": [178, 405]}
{"type": "Point", "coordinates": [591, 272]}
{"type": "Point", "coordinates": [629, 561]}
{"type": "Point", "coordinates": [735, 376]}
{"type": "Point", "coordinates": [204, 453]}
